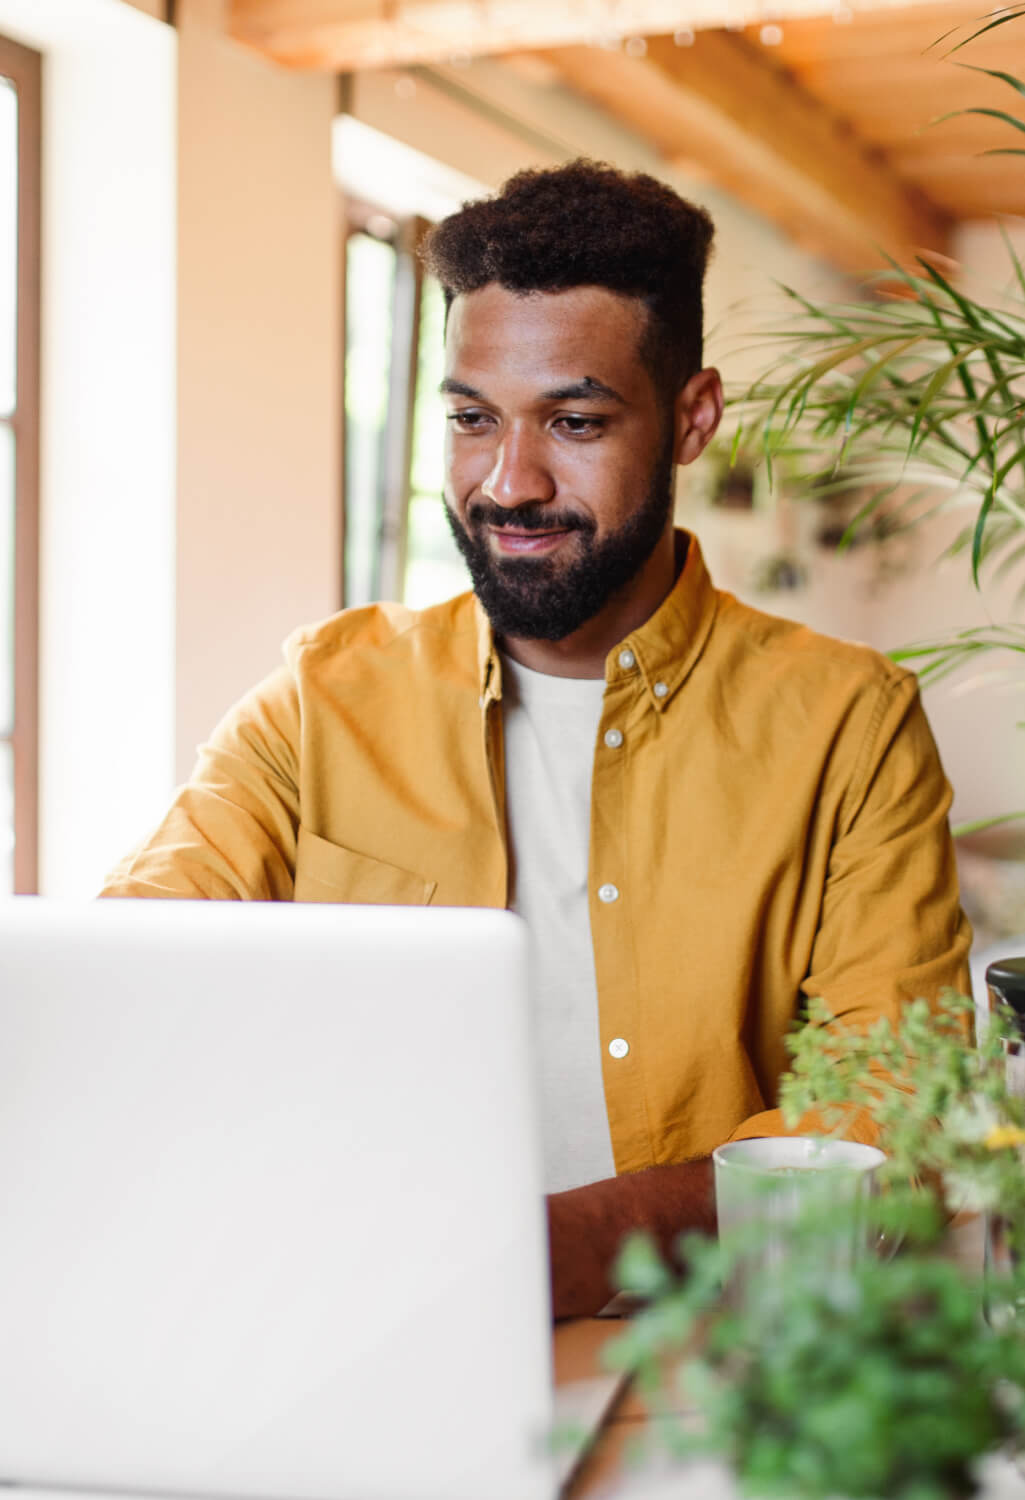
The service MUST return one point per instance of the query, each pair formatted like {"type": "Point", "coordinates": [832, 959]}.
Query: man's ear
{"type": "Point", "coordinates": [697, 413]}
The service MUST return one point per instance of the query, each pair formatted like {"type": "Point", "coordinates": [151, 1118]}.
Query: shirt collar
{"type": "Point", "coordinates": [489, 666]}
{"type": "Point", "coordinates": [663, 651]}
{"type": "Point", "coordinates": [660, 653]}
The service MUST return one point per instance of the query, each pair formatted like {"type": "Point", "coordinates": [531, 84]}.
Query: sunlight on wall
{"type": "Point", "coordinates": [108, 424]}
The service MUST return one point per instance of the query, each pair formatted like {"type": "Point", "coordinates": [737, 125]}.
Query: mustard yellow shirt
{"type": "Point", "coordinates": [773, 825]}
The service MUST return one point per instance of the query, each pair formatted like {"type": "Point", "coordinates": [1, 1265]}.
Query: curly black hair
{"type": "Point", "coordinates": [587, 224]}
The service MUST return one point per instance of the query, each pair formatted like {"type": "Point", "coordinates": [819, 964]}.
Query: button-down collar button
{"type": "Point", "coordinates": [608, 893]}
{"type": "Point", "coordinates": [619, 1047]}
{"type": "Point", "coordinates": [613, 738]}
{"type": "Point", "coordinates": [627, 660]}
{"type": "Point", "coordinates": [660, 689]}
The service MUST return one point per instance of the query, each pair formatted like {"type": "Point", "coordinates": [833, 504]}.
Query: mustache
{"type": "Point", "coordinates": [533, 516]}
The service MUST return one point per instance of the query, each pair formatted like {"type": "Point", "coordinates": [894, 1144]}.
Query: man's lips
{"type": "Point", "coordinates": [519, 543]}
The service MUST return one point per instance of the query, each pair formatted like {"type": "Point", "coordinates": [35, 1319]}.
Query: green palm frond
{"type": "Point", "coordinates": [935, 659]}
{"type": "Point", "coordinates": [931, 386]}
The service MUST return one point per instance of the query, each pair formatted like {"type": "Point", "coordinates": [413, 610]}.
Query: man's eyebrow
{"type": "Point", "coordinates": [587, 389]}
{"type": "Point", "coordinates": [450, 387]}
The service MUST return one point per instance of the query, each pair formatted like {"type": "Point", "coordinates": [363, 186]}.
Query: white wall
{"type": "Point", "coordinates": [107, 420]}
{"type": "Point", "coordinates": [259, 371]}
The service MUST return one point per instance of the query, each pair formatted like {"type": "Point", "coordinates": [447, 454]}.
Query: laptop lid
{"type": "Point", "coordinates": [273, 1222]}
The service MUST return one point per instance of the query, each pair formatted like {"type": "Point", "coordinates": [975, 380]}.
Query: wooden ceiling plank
{"type": "Point", "coordinates": [341, 35]}
{"type": "Point", "coordinates": [940, 80]}
{"type": "Point", "coordinates": [760, 137]}
{"type": "Point", "coordinates": [873, 34]}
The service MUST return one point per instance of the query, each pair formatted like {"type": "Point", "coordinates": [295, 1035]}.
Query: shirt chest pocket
{"type": "Point", "coordinates": [330, 872]}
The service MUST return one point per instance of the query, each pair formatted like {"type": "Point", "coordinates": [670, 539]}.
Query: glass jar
{"type": "Point", "coordinates": [1005, 981]}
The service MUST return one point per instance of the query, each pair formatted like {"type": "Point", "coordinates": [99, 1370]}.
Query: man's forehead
{"type": "Point", "coordinates": [569, 306]}
{"type": "Point", "coordinates": [583, 334]}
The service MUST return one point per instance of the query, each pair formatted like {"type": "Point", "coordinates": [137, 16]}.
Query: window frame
{"type": "Point", "coordinates": [396, 485]}
{"type": "Point", "coordinates": [23, 68]}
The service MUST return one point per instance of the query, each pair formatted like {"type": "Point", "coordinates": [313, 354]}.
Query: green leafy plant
{"type": "Point", "coordinates": [909, 399]}
{"type": "Point", "coordinates": [884, 1383]}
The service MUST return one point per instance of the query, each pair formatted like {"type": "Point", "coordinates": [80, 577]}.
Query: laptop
{"type": "Point", "coordinates": [273, 1221]}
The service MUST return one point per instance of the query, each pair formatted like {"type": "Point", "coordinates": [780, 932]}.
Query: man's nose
{"type": "Point", "coordinates": [519, 474]}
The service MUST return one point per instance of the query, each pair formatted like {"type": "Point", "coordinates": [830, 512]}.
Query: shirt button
{"type": "Point", "coordinates": [660, 689]}
{"type": "Point", "coordinates": [613, 738]}
{"type": "Point", "coordinates": [627, 660]}
{"type": "Point", "coordinates": [608, 893]}
{"type": "Point", "coordinates": [618, 1047]}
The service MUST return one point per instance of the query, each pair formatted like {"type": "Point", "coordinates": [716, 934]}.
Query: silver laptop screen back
{"type": "Point", "coordinates": [273, 1222]}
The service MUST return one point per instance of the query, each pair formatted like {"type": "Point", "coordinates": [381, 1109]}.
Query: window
{"type": "Point", "coordinates": [20, 72]}
{"type": "Point", "coordinates": [397, 541]}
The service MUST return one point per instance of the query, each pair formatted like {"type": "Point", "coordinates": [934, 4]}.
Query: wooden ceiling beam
{"type": "Point", "coordinates": [722, 107]}
{"type": "Point", "coordinates": [896, 32]}
{"type": "Point", "coordinates": [344, 35]}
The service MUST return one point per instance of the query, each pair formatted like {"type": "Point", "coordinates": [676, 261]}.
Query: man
{"type": "Point", "coordinates": [705, 814]}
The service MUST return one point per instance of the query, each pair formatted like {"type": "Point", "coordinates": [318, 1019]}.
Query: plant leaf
{"type": "Point", "coordinates": [1010, 14]}
{"type": "Point", "coordinates": [1017, 84]}
{"type": "Point", "coordinates": [977, 825]}
{"type": "Point", "coordinates": [993, 114]}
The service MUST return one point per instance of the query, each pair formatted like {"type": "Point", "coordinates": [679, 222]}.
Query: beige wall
{"type": "Point", "coordinates": [155, 8]}
{"type": "Point", "coordinates": [259, 395]}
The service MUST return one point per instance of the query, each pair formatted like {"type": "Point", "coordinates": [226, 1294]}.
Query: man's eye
{"type": "Point", "coordinates": [581, 426]}
{"type": "Point", "coordinates": [469, 421]}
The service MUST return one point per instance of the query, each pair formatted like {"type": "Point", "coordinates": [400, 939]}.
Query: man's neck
{"type": "Point", "coordinates": [583, 653]}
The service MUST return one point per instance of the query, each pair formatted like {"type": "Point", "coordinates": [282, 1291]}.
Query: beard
{"type": "Point", "coordinates": [548, 598]}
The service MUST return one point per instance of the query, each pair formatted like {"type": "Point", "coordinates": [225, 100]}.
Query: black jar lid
{"type": "Point", "coordinates": [1007, 978]}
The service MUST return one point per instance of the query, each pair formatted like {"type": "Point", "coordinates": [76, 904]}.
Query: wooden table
{"type": "Point", "coordinates": [578, 1346]}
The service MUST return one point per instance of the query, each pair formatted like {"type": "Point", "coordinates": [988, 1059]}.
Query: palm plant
{"type": "Point", "coordinates": [917, 396]}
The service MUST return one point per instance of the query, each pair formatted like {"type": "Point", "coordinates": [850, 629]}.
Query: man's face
{"type": "Point", "coordinates": [559, 457]}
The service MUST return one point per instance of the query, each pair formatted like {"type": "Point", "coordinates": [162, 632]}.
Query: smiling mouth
{"type": "Point", "coordinates": [510, 541]}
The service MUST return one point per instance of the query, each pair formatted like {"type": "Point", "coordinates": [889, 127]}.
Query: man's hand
{"type": "Point", "coordinates": [587, 1225]}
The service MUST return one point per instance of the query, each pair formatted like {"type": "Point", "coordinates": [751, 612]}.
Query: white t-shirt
{"type": "Point", "coordinates": [551, 724]}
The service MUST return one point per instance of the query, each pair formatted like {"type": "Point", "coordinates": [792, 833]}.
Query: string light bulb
{"type": "Point", "coordinates": [684, 37]}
